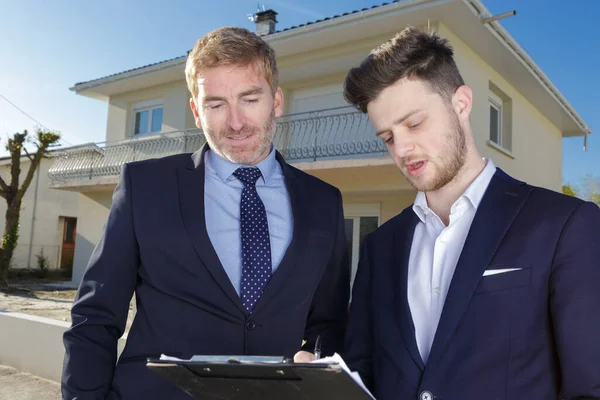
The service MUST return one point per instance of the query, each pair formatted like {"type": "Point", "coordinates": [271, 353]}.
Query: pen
{"type": "Point", "coordinates": [317, 351]}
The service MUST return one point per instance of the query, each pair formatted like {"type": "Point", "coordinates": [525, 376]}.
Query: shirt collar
{"type": "Point", "coordinates": [474, 192]}
{"type": "Point", "coordinates": [225, 168]}
{"type": "Point", "coordinates": [477, 188]}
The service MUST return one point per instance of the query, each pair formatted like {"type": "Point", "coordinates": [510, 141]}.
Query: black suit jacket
{"type": "Point", "coordinates": [532, 333]}
{"type": "Point", "coordinates": [156, 244]}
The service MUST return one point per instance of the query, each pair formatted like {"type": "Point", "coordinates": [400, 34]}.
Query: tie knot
{"type": "Point", "coordinates": [248, 176]}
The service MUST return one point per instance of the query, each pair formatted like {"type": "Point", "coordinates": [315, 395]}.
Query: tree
{"type": "Point", "coordinates": [595, 198]}
{"type": "Point", "coordinates": [591, 188]}
{"type": "Point", "coordinates": [569, 191]}
{"type": "Point", "coordinates": [13, 193]}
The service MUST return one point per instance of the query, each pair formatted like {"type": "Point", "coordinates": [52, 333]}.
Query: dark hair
{"type": "Point", "coordinates": [409, 54]}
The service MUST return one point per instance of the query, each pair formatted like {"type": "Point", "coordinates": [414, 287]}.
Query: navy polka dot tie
{"type": "Point", "coordinates": [256, 246]}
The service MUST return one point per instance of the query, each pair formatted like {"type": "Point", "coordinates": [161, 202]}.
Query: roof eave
{"type": "Point", "coordinates": [87, 87]}
{"type": "Point", "coordinates": [511, 44]}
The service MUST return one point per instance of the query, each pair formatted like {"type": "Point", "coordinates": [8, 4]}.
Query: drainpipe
{"type": "Point", "coordinates": [35, 198]}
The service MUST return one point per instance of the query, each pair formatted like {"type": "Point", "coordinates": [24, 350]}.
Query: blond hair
{"type": "Point", "coordinates": [230, 46]}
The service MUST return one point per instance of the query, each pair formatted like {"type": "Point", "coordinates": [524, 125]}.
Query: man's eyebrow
{"type": "Point", "coordinates": [249, 92]}
{"type": "Point", "coordinates": [212, 98]}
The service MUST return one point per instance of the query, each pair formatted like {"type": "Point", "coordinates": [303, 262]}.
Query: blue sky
{"type": "Point", "coordinates": [46, 47]}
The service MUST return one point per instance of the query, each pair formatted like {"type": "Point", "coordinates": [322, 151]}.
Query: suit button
{"type": "Point", "coordinates": [425, 395]}
{"type": "Point", "coordinates": [250, 325]}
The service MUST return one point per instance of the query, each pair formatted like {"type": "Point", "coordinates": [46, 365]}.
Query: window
{"type": "Point", "coordinates": [360, 220]}
{"type": "Point", "coordinates": [357, 229]}
{"type": "Point", "coordinates": [70, 226]}
{"type": "Point", "coordinates": [500, 120]}
{"type": "Point", "coordinates": [496, 115]}
{"type": "Point", "coordinates": [147, 118]}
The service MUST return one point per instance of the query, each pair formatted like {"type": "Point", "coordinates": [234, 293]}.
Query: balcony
{"type": "Point", "coordinates": [325, 135]}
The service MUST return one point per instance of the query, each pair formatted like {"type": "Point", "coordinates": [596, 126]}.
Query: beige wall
{"type": "Point", "coordinates": [42, 210]}
{"type": "Point", "coordinates": [176, 109]}
{"type": "Point", "coordinates": [536, 142]}
{"type": "Point", "coordinates": [391, 204]}
{"type": "Point", "coordinates": [383, 185]}
{"type": "Point", "coordinates": [95, 207]}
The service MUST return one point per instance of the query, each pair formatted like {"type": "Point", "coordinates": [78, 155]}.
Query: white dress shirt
{"type": "Point", "coordinates": [434, 254]}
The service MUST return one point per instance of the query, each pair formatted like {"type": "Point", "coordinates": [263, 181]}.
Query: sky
{"type": "Point", "coordinates": [47, 47]}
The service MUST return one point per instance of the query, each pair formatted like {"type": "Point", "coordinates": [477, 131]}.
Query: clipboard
{"type": "Point", "coordinates": [257, 378]}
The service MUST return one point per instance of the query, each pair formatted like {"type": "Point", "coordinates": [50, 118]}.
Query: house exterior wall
{"type": "Point", "coordinates": [536, 142]}
{"type": "Point", "coordinates": [40, 219]}
{"type": "Point", "coordinates": [95, 206]}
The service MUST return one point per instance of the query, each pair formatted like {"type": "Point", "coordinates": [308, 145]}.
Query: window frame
{"type": "Point", "coordinates": [496, 102]}
{"type": "Point", "coordinates": [149, 106]}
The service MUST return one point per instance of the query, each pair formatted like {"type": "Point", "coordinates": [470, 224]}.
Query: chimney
{"type": "Point", "coordinates": [265, 22]}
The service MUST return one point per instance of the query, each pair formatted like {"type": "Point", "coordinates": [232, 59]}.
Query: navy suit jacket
{"type": "Point", "coordinates": [528, 334]}
{"type": "Point", "coordinates": [156, 244]}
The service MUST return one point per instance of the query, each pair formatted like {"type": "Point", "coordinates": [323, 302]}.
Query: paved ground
{"type": "Point", "coordinates": [15, 385]}
{"type": "Point", "coordinates": [49, 300]}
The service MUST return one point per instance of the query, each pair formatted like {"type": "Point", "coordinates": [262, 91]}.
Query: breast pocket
{"type": "Point", "coordinates": [504, 280]}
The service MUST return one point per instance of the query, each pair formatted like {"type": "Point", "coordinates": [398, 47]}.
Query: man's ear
{"type": "Point", "coordinates": [462, 101]}
{"type": "Point", "coordinates": [278, 103]}
{"type": "Point", "coordinates": [196, 113]}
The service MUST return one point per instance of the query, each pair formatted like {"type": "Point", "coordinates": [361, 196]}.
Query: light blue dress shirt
{"type": "Point", "coordinates": [222, 194]}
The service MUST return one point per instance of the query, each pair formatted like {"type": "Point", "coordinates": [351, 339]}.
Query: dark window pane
{"type": "Point", "coordinates": [141, 122]}
{"type": "Point", "coordinates": [367, 225]}
{"type": "Point", "coordinates": [494, 125]}
{"type": "Point", "coordinates": [70, 231]}
{"type": "Point", "coordinates": [349, 224]}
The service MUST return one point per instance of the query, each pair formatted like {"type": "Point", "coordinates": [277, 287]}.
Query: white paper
{"type": "Point", "coordinates": [169, 358]}
{"type": "Point", "coordinates": [337, 359]}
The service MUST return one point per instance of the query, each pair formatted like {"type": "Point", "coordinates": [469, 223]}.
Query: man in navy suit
{"type": "Point", "coordinates": [230, 250]}
{"type": "Point", "coordinates": [486, 287]}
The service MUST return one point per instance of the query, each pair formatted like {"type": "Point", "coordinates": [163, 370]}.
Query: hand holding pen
{"type": "Point", "coordinates": [317, 351]}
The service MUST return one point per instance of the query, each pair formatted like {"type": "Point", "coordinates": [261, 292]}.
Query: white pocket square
{"type": "Point", "coordinates": [499, 271]}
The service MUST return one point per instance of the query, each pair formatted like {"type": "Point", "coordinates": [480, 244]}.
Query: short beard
{"type": "Point", "coordinates": [265, 144]}
{"type": "Point", "coordinates": [452, 159]}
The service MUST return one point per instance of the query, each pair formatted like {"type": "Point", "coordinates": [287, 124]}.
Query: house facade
{"type": "Point", "coordinates": [519, 118]}
{"type": "Point", "coordinates": [48, 219]}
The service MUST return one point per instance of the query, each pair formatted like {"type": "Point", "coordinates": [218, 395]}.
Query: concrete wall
{"type": "Point", "coordinates": [95, 206]}
{"type": "Point", "coordinates": [34, 344]}
{"type": "Point", "coordinates": [382, 184]}
{"type": "Point", "coordinates": [40, 221]}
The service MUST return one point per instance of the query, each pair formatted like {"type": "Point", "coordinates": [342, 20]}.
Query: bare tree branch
{"type": "Point", "coordinates": [28, 155]}
{"type": "Point", "coordinates": [4, 187]}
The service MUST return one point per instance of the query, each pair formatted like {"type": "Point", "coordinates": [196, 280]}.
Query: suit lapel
{"type": "Point", "coordinates": [190, 180]}
{"type": "Point", "coordinates": [499, 206]}
{"type": "Point", "coordinates": [402, 244]}
{"type": "Point", "coordinates": [299, 203]}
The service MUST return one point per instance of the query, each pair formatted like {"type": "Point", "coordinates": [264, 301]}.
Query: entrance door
{"type": "Point", "coordinates": [68, 244]}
